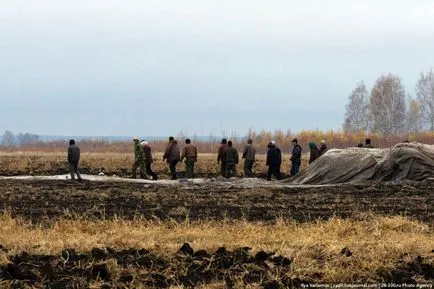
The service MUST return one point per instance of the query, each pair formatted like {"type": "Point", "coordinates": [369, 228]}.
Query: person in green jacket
{"type": "Point", "coordinates": [139, 159]}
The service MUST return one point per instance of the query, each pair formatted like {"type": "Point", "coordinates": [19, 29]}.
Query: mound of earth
{"type": "Point", "coordinates": [404, 161]}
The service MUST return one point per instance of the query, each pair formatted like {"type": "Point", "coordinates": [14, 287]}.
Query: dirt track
{"type": "Point", "coordinates": [41, 199]}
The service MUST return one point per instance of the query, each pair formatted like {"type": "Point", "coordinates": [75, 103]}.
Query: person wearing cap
{"type": "Point", "coordinates": [172, 155]}
{"type": "Point", "coordinates": [221, 157]}
{"type": "Point", "coordinates": [274, 161]}
{"type": "Point", "coordinates": [73, 159]}
{"type": "Point", "coordinates": [314, 152]}
{"type": "Point", "coordinates": [323, 148]}
{"type": "Point", "coordinates": [295, 157]}
{"type": "Point", "coordinates": [139, 159]}
{"type": "Point", "coordinates": [231, 156]}
{"type": "Point", "coordinates": [249, 158]}
{"type": "Point", "coordinates": [148, 160]}
{"type": "Point", "coordinates": [190, 154]}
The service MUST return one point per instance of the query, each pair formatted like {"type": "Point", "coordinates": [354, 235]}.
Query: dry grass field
{"type": "Point", "coordinates": [219, 234]}
{"type": "Point", "coordinates": [43, 163]}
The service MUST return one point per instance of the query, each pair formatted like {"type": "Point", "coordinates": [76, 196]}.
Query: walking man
{"type": "Point", "coordinates": [139, 159]}
{"type": "Point", "coordinates": [295, 157]}
{"type": "Point", "coordinates": [148, 160]}
{"type": "Point", "coordinates": [249, 158]}
{"type": "Point", "coordinates": [190, 154]}
{"type": "Point", "coordinates": [221, 157]}
{"type": "Point", "coordinates": [73, 159]}
{"type": "Point", "coordinates": [274, 160]}
{"type": "Point", "coordinates": [231, 160]}
{"type": "Point", "coordinates": [172, 155]}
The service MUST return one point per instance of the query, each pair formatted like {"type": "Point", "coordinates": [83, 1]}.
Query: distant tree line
{"type": "Point", "coordinates": [387, 110]}
{"type": "Point", "coordinates": [22, 139]}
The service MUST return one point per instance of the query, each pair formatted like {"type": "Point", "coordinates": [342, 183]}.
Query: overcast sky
{"type": "Point", "coordinates": [158, 67]}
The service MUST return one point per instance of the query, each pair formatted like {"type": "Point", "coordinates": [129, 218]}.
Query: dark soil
{"type": "Point", "coordinates": [130, 267]}
{"type": "Point", "coordinates": [39, 200]}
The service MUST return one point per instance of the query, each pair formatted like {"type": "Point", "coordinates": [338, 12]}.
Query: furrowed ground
{"type": "Point", "coordinates": [210, 234]}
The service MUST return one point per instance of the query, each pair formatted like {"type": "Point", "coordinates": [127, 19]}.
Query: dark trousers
{"type": "Point", "coordinates": [73, 169]}
{"type": "Point", "coordinates": [295, 168]}
{"type": "Point", "coordinates": [172, 167]}
{"type": "Point", "coordinates": [248, 165]}
{"type": "Point", "coordinates": [231, 170]}
{"type": "Point", "coordinates": [149, 171]}
{"type": "Point", "coordinates": [189, 167]}
{"type": "Point", "coordinates": [274, 170]}
{"type": "Point", "coordinates": [223, 169]}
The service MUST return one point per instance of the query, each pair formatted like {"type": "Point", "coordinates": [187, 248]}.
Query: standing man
{"type": "Point", "coordinates": [323, 148]}
{"type": "Point", "coordinates": [172, 155]}
{"type": "Point", "coordinates": [274, 160]}
{"type": "Point", "coordinates": [73, 159]}
{"type": "Point", "coordinates": [231, 160]}
{"type": "Point", "coordinates": [249, 158]}
{"type": "Point", "coordinates": [314, 152]}
{"type": "Point", "coordinates": [148, 160]}
{"type": "Point", "coordinates": [295, 157]}
{"type": "Point", "coordinates": [368, 144]}
{"type": "Point", "coordinates": [139, 159]}
{"type": "Point", "coordinates": [221, 157]}
{"type": "Point", "coordinates": [190, 154]}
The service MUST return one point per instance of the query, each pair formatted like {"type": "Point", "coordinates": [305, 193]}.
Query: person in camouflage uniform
{"type": "Point", "coordinates": [249, 155]}
{"type": "Point", "coordinates": [190, 154]}
{"type": "Point", "coordinates": [139, 159]}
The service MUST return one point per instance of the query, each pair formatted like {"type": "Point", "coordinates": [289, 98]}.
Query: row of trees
{"type": "Point", "coordinates": [388, 110]}
{"type": "Point", "coordinates": [22, 139]}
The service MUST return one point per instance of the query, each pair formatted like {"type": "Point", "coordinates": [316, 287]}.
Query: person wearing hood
{"type": "Point", "coordinates": [323, 148]}
{"type": "Point", "coordinates": [314, 152]}
{"type": "Point", "coordinates": [221, 157]}
{"type": "Point", "coordinates": [172, 155]}
{"type": "Point", "coordinates": [148, 160]}
{"type": "Point", "coordinates": [274, 161]}
{"type": "Point", "coordinates": [139, 159]}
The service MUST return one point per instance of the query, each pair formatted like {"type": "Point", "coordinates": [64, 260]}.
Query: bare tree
{"type": "Point", "coordinates": [414, 116]}
{"type": "Point", "coordinates": [388, 105]}
{"type": "Point", "coordinates": [425, 95]}
{"type": "Point", "coordinates": [8, 139]}
{"type": "Point", "coordinates": [357, 110]}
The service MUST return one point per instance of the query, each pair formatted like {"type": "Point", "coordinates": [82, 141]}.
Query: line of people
{"type": "Point", "coordinates": [227, 158]}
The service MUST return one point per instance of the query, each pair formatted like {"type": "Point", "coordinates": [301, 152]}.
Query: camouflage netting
{"type": "Point", "coordinates": [405, 161]}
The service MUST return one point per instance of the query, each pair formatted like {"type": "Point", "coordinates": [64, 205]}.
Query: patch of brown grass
{"type": "Point", "coordinates": [376, 243]}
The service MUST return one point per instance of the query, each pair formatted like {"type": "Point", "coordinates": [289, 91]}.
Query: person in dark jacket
{"type": "Point", "coordinates": [190, 154]}
{"type": "Point", "coordinates": [148, 160]}
{"type": "Point", "coordinates": [323, 148]}
{"type": "Point", "coordinates": [139, 159]}
{"type": "Point", "coordinates": [249, 155]}
{"type": "Point", "coordinates": [314, 152]}
{"type": "Point", "coordinates": [295, 157]}
{"type": "Point", "coordinates": [274, 160]}
{"type": "Point", "coordinates": [231, 156]}
{"type": "Point", "coordinates": [172, 155]}
{"type": "Point", "coordinates": [221, 157]}
{"type": "Point", "coordinates": [73, 159]}
{"type": "Point", "coordinates": [368, 144]}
